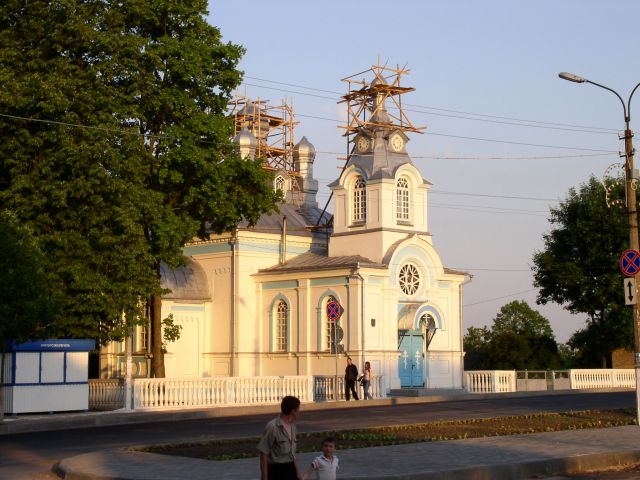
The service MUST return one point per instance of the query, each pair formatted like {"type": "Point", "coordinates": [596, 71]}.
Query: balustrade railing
{"type": "Point", "coordinates": [605, 378]}
{"type": "Point", "coordinates": [324, 388]}
{"type": "Point", "coordinates": [490, 381]}
{"type": "Point", "coordinates": [215, 391]}
{"type": "Point", "coordinates": [494, 381]}
{"type": "Point", "coordinates": [106, 394]}
{"type": "Point", "coordinates": [152, 393]}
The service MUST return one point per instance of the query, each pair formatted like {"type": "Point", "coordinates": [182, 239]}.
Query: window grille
{"type": "Point", "coordinates": [402, 200]}
{"type": "Point", "coordinates": [329, 327]}
{"type": "Point", "coordinates": [409, 279]}
{"type": "Point", "coordinates": [282, 314]}
{"type": "Point", "coordinates": [359, 200]}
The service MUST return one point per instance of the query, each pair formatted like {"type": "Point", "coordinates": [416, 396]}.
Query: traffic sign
{"type": "Point", "coordinates": [630, 290]}
{"type": "Point", "coordinates": [630, 262]}
{"type": "Point", "coordinates": [334, 311]}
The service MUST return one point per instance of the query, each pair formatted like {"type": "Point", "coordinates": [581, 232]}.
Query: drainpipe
{"type": "Point", "coordinates": [233, 242]}
{"type": "Point", "coordinates": [362, 344]}
{"type": "Point", "coordinates": [465, 282]}
{"type": "Point", "coordinates": [283, 241]}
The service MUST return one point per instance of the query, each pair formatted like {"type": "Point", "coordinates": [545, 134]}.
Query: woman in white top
{"type": "Point", "coordinates": [366, 380]}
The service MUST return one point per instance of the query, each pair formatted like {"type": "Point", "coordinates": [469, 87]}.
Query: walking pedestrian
{"type": "Point", "coordinates": [278, 444]}
{"type": "Point", "coordinates": [350, 377]}
{"type": "Point", "coordinates": [326, 465]}
{"type": "Point", "coordinates": [366, 381]}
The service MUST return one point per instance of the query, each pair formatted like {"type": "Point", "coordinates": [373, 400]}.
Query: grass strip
{"type": "Point", "coordinates": [420, 432]}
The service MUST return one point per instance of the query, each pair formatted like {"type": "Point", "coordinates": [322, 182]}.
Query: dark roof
{"type": "Point", "coordinates": [186, 283]}
{"type": "Point", "coordinates": [312, 261]}
{"type": "Point", "coordinates": [299, 219]}
{"type": "Point", "coordinates": [455, 272]}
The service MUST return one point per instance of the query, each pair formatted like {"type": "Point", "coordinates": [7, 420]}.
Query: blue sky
{"type": "Point", "coordinates": [482, 70]}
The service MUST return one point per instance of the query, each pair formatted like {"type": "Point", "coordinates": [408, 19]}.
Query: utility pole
{"type": "Point", "coordinates": [631, 203]}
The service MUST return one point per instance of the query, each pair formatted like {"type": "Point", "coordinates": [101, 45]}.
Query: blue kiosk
{"type": "Point", "coordinates": [47, 376]}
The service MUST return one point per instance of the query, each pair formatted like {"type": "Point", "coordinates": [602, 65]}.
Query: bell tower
{"type": "Point", "coordinates": [380, 196]}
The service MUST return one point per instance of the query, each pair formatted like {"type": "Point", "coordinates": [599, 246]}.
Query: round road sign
{"type": "Point", "coordinates": [630, 262]}
{"type": "Point", "coordinates": [334, 311]}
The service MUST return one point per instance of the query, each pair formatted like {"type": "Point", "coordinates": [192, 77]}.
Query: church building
{"type": "Point", "coordinates": [253, 302]}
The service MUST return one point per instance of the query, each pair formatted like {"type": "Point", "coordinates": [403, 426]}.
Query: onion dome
{"type": "Point", "coordinates": [245, 138]}
{"type": "Point", "coordinates": [304, 148]}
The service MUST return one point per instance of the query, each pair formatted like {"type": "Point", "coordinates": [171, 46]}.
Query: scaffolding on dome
{"type": "Point", "coordinates": [273, 127]}
{"type": "Point", "coordinates": [367, 97]}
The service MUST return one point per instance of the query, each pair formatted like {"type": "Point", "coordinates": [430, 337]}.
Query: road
{"type": "Point", "coordinates": [31, 456]}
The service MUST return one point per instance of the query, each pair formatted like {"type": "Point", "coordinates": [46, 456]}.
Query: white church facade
{"type": "Point", "coordinates": [253, 302]}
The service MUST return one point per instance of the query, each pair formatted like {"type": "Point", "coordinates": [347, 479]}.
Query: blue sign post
{"type": "Point", "coordinates": [334, 312]}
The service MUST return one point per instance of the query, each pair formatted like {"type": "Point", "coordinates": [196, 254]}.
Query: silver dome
{"type": "Point", "coordinates": [245, 138]}
{"type": "Point", "coordinates": [304, 147]}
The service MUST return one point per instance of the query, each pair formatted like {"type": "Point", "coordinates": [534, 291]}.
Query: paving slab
{"type": "Point", "coordinates": [495, 458]}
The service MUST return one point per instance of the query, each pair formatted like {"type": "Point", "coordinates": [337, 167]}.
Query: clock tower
{"type": "Point", "coordinates": [380, 197]}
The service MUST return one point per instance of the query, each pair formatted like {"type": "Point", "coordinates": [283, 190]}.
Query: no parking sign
{"type": "Point", "coordinates": [630, 262]}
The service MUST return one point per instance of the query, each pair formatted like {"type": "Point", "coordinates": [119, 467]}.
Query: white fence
{"type": "Point", "coordinates": [158, 393]}
{"type": "Point", "coordinates": [496, 381]}
{"type": "Point", "coordinates": [490, 381]}
{"type": "Point", "coordinates": [106, 394]}
{"type": "Point", "coordinates": [324, 388]}
{"type": "Point", "coordinates": [208, 392]}
{"type": "Point", "coordinates": [615, 378]}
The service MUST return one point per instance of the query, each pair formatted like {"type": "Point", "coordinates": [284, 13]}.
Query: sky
{"type": "Point", "coordinates": [505, 139]}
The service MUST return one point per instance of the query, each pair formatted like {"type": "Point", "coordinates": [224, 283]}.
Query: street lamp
{"type": "Point", "coordinates": [631, 211]}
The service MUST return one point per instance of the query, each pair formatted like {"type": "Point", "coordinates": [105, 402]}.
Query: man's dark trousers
{"type": "Point", "coordinates": [350, 387]}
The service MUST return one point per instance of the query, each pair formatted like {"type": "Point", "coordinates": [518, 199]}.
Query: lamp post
{"type": "Point", "coordinates": [631, 211]}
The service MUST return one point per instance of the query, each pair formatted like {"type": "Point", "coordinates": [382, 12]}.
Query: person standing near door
{"type": "Point", "coordinates": [350, 377]}
{"type": "Point", "coordinates": [366, 381]}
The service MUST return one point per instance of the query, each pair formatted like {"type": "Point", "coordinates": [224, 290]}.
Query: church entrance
{"type": "Point", "coordinates": [411, 360]}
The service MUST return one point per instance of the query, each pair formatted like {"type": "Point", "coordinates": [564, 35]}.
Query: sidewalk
{"type": "Point", "coordinates": [495, 458]}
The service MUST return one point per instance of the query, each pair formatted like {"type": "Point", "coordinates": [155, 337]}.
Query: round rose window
{"type": "Point", "coordinates": [409, 279]}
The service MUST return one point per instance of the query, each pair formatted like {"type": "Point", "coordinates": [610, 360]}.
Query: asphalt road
{"type": "Point", "coordinates": [31, 456]}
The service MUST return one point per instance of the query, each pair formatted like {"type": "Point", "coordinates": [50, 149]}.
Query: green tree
{"type": "Point", "coordinates": [27, 303]}
{"type": "Point", "coordinates": [125, 154]}
{"type": "Point", "coordinates": [520, 338]}
{"type": "Point", "coordinates": [78, 190]}
{"type": "Point", "coordinates": [176, 76]}
{"type": "Point", "coordinates": [476, 342]}
{"type": "Point", "coordinates": [578, 268]}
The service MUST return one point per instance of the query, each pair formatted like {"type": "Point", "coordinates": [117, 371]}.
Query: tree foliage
{"type": "Point", "coordinates": [520, 338]}
{"type": "Point", "coordinates": [74, 188]}
{"type": "Point", "coordinates": [27, 304]}
{"type": "Point", "coordinates": [115, 148]}
{"type": "Point", "coordinates": [578, 268]}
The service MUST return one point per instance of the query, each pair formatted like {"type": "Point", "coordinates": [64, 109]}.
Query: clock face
{"type": "Point", "coordinates": [362, 144]}
{"type": "Point", "coordinates": [396, 142]}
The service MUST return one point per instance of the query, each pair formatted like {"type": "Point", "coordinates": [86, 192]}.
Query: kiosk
{"type": "Point", "coordinates": [47, 376]}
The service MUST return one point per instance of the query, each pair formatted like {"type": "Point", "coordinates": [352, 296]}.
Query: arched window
{"type": "Point", "coordinates": [330, 327]}
{"type": "Point", "coordinates": [281, 327]}
{"type": "Point", "coordinates": [359, 200]}
{"type": "Point", "coordinates": [279, 183]}
{"type": "Point", "coordinates": [402, 200]}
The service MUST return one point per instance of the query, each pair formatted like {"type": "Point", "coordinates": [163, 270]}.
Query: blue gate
{"type": "Point", "coordinates": [411, 361]}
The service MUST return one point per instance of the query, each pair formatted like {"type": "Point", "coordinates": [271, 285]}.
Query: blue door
{"type": "Point", "coordinates": [411, 361]}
